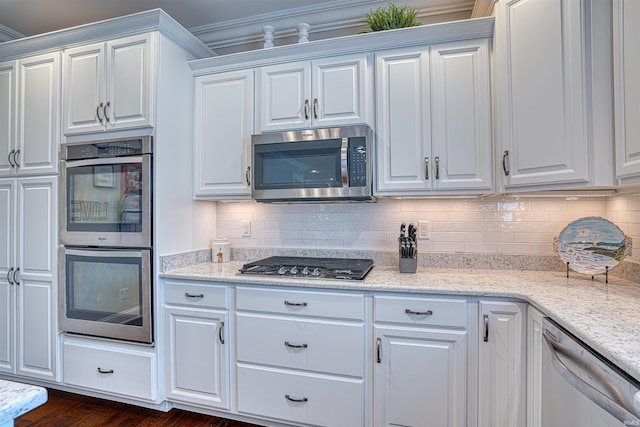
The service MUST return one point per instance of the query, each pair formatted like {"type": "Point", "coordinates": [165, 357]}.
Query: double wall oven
{"type": "Point", "coordinates": [106, 237]}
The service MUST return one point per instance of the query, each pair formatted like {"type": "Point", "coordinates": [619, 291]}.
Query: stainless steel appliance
{"type": "Point", "coordinates": [580, 388]}
{"type": "Point", "coordinates": [106, 293]}
{"type": "Point", "coordinates": [307, 267]}
{"type": "Point", "coordinates": [106, 193]}
{"type": "Point", "coordinates": [314, 165]}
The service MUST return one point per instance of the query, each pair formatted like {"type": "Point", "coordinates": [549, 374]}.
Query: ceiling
{"type": "Point", "coordinates": [219, 23]}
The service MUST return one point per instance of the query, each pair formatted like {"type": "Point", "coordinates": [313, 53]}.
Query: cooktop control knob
{"type": "Point", "coordinates": [294, 270]}
{"type": "Point", "coordinates": [282, 271]}
{"type": "Point", "coordinates": [305, 271]}
{"type": "Point", "coordinates": [315, 272]}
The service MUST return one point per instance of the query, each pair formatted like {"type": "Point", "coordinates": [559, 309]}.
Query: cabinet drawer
{"type": "Point", "coordinates": [195, 294]}
{"type": "Point", "coordinates": [420, 311]}
{"type": "Point", "coordinates": [125, 372]}
{"type": "Point", "coordinates": [332, 347]}
{"type": "Point", "coordinates": [303, 303]}
{"type": "Point", "coordinates": [321, 400]}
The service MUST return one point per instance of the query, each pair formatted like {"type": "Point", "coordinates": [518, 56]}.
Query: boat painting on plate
{"type": "Point", "coordinates": [592, 245]}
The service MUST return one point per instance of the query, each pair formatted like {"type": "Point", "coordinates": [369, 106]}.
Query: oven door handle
{"type": "Point", "coordinates": [103, 161]}
{"type": "Point", "coordinates": [617, 409]}
{"type": "Point", "coordinates": [106, 253]}
{"type": "Point", "coordinates": [344, 149]}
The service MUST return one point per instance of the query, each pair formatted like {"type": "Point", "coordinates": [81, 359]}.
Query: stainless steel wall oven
{"type": "Point", "coordinates": [106, 216]}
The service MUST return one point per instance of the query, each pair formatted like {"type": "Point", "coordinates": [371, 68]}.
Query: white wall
{"type": "Point", "coordinates": [506, 225]}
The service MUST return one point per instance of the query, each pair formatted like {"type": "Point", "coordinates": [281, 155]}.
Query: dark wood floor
{"type": "Point", "coordinates": [73, 410]}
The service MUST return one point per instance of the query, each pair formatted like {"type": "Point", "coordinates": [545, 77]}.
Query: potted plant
{"type": "Point", "coordinates": [390, 17]}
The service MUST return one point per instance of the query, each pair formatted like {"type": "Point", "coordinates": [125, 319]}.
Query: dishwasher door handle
{"type": "Point", "coordinates": [619, 410]}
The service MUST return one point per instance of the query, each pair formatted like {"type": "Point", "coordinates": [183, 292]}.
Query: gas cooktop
{"type": "Point", "coordinates": [309, 267]}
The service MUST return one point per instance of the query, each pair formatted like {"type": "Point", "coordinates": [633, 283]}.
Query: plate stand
{"type": "Point", "coordinates": [606, 273]}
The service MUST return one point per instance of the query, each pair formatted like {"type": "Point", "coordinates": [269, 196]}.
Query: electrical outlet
{"type": "Point", "coordinates": [424, 230]}
{"type": "Point", "coordinates": [246, 228]}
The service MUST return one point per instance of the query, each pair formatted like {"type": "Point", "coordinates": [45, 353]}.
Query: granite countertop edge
{"type": "Point", "coordinates": [17, 399]}
{"type": "Point", "coordinates": [606, 316]}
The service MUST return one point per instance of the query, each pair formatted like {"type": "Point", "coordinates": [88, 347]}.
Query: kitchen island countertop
{"type": "Point", "coordinates": [606, 316]}
{"type": "Point", "coordinates": [17, 399]}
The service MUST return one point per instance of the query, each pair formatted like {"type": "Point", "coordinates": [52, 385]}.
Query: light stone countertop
{"type": "Point", "coordinates": [604, 316]}
{"type": "Point", "coordinates": [17, 399]}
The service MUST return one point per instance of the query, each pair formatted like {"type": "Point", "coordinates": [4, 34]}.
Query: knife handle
{"type": "Point", "coordinates": [426, 168]}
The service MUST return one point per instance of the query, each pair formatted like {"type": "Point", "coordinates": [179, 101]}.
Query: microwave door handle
{"type": "Point", "coordinates": [103, 161]}
{"type": "Point", "coordinates": [343, 162]}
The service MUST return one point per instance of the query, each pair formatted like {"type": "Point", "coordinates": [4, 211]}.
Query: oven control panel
{"type": "Point", "coordinates": [105, 149]}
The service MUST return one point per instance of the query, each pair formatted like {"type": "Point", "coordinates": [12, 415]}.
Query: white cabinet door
{"type": "Point", "coordinates": [501, 366]}
{"type": "Point", "coordinates": [534, 367]}
{"type": "Point", "coordinates": [37, 342]}
{"type": "Point", "coordinates": [197, 362]}
{"type": "Point", "coordinates": [322, 93]}
{"type": "Point", "coordinates": [627, 88]}
{"type": "Point", "coordinates": [7, 267]}
{"type": "Point", "coordinates": [420, 377]}
{"type": "Point", "coordinates": [552, 93]}
{"type": "Point", "coordinates": [461, 116]}
{"type": "Point", "coordinates": [129, 85]}
{"type": "Point", "coordinates": [83, 88]}
{"type": "Point", "coordinates": [7, 115]}
{"type": "Point", "coordinates": [38, 114]}
{"type": "Point", "coordinates": [222, 143]}
{"type": "Point", "coordinates": [109, 86]}
{"type": "Point", "coordinates": [403, 121]}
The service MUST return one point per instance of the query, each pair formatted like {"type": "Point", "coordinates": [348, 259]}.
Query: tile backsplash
{"type": "Point", "coordinates": [493, 225]}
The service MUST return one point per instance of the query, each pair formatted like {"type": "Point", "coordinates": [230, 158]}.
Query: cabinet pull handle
{"type": "Point", "coordinates": [426, 168]}
{"type": "Point", "coordinates": [10, 158]}
{"type": "Point", "coordinates": [220, 335]}
{"type": "Point", "coordinates": [247, 175]}
{"type": "Point", "coordinates": [188, 295]}
{"type": "Point", "coordinates": [504, 162]}
{"type": "Point", "coordinates": [295, 304]}
{"type": "Point", "coordinates": [16, 159]}
{"type": "Point", "coordinates": [315, 108]}
{"type": "Point", "coordinates": [486, 328]}
{"type": "Point", "coordinates": [15, 276]}
{"type": "Point", "coordinates": [306, 109]}
{"type": "Point", "coordinates": [8, 276]}
{"type": "Point", "coordinates": [289, 345]}
{"type": "Point", "coordinates": [296, 400]}
{"type": "Point", "coordinates": [105, 371]}
{"type": "Point", "coordinates": [98, 108]}
{"type": "Point", "coordinates": [418, 313]}
{"type": "Point", "coordinates": [104, 110]}
{"type": "Point", "coordinates": [437, 159]}
{"type": "Point", "coordinates": [378, 351]}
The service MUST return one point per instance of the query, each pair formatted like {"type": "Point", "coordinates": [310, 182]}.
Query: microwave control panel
{"type": "Point", "coordinates": [357, 162]}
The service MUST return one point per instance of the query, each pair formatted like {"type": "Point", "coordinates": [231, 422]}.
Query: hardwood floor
{"type": "Point", "coordinates": [73, 410]}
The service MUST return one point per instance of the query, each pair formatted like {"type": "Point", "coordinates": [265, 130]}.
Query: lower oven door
{"type": "Point", "coordinates": [106, 293]}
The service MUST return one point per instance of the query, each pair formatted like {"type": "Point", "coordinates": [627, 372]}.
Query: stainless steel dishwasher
{"type": "Point", "coordinates": [581, 388]}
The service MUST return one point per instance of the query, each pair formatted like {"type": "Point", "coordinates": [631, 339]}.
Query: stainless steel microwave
{"type": "Point", "coordinates": [312, 165]}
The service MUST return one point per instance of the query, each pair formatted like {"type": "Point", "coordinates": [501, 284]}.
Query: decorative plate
{"type": "Point", "coordinates": [592, 245]}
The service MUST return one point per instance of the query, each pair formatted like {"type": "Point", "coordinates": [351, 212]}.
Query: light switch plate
{"type": "Point", "coordinates": [246, 228]}
{"type": "Point", "coordinates": [424, 230]}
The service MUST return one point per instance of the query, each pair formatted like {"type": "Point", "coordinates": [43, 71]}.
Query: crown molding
{"type": "Point", "coordinates": [327, 20]}
{"type": "Point", "coordinates": [8, 34]}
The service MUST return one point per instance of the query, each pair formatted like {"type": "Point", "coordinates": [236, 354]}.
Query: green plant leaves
{"type": "Point", "coordinates": [390, 17]}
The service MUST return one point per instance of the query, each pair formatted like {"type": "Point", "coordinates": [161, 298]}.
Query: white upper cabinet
{"type": "Point", "coordinates": [321, 93]}
{"type": "Point", "coordinates": [222, 138]}
{"type": "Point", "coordinates": [552, 92]}
{"type": "Point", "coordinates": [29, 115]}
{"type": "Point", "coordinates": [626, 67]}
{"type": "Point", "coordinates": [109, 86]}
{"type": "Point", "coordinates": [433, 119]}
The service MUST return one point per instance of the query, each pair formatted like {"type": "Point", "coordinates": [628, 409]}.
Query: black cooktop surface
{"type": "Point", "coordinates": [310, 267]}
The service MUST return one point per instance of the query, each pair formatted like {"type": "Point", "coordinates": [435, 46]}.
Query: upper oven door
{"type": "Point", "coordinates": [106, 202]}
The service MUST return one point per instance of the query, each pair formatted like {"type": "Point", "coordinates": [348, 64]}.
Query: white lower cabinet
{"type": "Point", "coordinates": [298, 359]}
{"type": "Point", "coordinates": [420, 374]}
{"type": "Point", "coordinates": [118, 369]}
{"type": "Point", "coordinates": [196, 352]}
{"type": "Point", "coordinates": [502, 364]}
{"type": "Point", "coordinates": [534, 367]}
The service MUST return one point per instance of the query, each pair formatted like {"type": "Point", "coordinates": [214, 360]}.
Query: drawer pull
{"type": "Point", "coordinates": [188, 295]}
{"type": "Point", "coordinates": [296, 400]}
{"type": "Point", "coordinates": [418, 313]}
{"type": "Point", "coordinates": [379, 355]}
{"type": "Point", "coordinates": [220, 336]}
{"type": "Point", "coordinates": [486, 328]}
{"type": "Point", "coordinates": [105, 371]}
{"type": "Point", "coordinates": [295, 304]}
{"type": "Point", "coordinates": [289, 345]}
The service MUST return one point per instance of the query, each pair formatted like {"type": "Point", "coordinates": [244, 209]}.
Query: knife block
{"type": "Point", "coordinates": [408, 265]}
